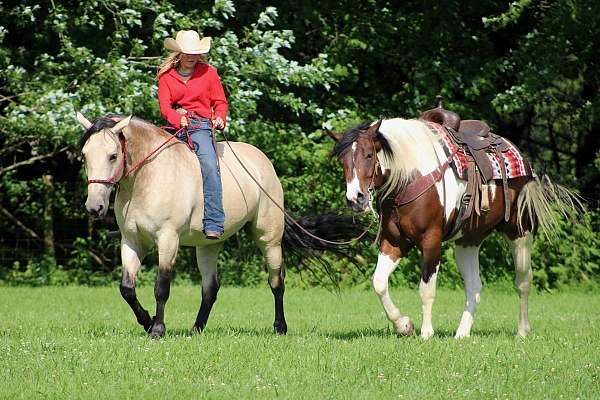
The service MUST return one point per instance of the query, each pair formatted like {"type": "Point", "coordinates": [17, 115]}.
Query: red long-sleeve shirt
{"type": "Point", "coordinates": [201, 93]}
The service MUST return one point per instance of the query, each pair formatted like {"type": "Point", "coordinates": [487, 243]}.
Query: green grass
{"type": "Point", "coordinates": [77, 342]}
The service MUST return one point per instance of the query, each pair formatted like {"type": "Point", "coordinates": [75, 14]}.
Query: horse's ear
{"type": "Point", "coordinates": [83, 120]}
{"type": "Point", "coordinates": [373, 129]}
{"type": "Point", "coordinates": [335, 135]}
{"type": "Point", "coordinates": [121, 125]}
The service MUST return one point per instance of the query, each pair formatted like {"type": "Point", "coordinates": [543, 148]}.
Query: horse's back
{"type": "Point", "coordinates": [267, 218]}
{"type": "Point", "coordinates": [243, 200]}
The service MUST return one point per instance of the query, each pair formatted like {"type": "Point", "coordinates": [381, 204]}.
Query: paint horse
{"type": "Point", "coordinates": [159, 204]}
{"type": "Point", "coordinates": [421, 201]}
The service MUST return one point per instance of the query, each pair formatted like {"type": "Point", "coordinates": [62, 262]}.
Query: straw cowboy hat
{"type": "Point", "coordinates": [188, 42]}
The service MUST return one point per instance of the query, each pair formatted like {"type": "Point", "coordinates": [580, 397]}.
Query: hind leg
{"type": "Point", "coordinates": [276, 281]}
{"type": "Point", "coordinates": [269, 242]}
{"type": "Point", "coordinates": [521, 251]}
{"type": "Point", "coordinates": [467, 259]}
{"type": "Point", "coordinates": [206, 257]}
{"type": "Point", "coordinates": [267, 231]}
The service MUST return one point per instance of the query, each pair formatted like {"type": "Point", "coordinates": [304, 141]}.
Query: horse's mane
{"type": "Point", "coordinates": [110, 120]}
{"type": "Point", "coordinates": [404, 144]}
{"type": "Point", "coordinates": [350, 136]}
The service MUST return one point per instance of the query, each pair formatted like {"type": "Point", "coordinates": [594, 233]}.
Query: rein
{"type": "Point", "coordinates": [115, 179]}
{"type": "Point", "coordinates": [287, 214]}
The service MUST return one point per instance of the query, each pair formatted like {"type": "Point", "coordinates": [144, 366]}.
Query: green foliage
{"type": "Point", "coordinates": [529, 68]}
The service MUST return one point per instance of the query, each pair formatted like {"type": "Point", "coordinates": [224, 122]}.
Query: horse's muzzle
{"type": "Point", "coordinates": [361, 204]}
{"type": "Point", "coordinates": [98, 210]}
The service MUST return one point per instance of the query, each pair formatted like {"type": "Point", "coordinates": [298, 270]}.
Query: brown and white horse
{"type": "Point", "coordinates": [386, 157]}
{"type": "Point", "coordinates": [159, 204]}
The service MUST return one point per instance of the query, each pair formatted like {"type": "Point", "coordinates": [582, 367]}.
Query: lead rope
{"type": "Point", "coordinates": [285, 211]}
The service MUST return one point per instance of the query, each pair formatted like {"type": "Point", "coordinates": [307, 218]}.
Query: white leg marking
{"type": "Point", "coordinates": [521, 250]}
{"type": "Point", "coordinates": [427, 292]}
{"type": "Point", "coordinates": [353, 187]}
{"type": "Point", "coordinates": [467, 259]}
{"type": "Point", "coordinates": [385, 267]}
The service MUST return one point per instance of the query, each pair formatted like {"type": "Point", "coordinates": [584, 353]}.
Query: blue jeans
{"type": "Point", "coordinates": [201, 135]}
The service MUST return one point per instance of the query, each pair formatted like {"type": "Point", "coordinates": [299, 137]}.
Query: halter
{"type": "Point", "coordinates": [371, 187]}
{"type": "Point", "coordinates": [121, 172]}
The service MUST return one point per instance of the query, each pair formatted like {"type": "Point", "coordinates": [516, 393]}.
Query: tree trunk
{"type": "Point", "coordinates": [48, 222]}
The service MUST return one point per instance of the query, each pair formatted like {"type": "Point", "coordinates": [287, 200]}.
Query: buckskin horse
{"type": "Point", "coordinates": [439, 178]}
{"type": "Point", "coordinates": [159, 204]}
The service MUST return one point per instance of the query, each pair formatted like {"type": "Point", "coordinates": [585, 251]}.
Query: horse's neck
{"type": "Point", "coordinates": [140, 144]}
{"type": "Point", "coordinates": [413, 153]}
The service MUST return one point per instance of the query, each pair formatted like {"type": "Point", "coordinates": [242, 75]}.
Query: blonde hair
{"type": "Point", "coordinates": [172, 61]}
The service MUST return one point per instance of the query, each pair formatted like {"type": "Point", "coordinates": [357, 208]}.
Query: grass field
{"type": "Point", "coordinates": [80, 342]}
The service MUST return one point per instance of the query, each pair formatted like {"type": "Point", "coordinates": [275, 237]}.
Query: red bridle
{"type": "Point", "coordinates": [121, 171]}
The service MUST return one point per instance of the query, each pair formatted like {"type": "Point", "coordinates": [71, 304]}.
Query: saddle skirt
{"type": "Point", "coordinates": [516, 166]}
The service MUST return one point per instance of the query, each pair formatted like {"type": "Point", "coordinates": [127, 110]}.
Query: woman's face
{"type": "Point", "coordinates": [188, 61]}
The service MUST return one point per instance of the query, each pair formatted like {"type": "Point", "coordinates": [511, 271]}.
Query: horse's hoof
{"type": "Point", "coordinates": [146, 322]}
{"type": "Point", "coordinates": [195, 330]}
{"type": "Point", "coordinates": [461, 335]}
{"type": "Point", "coordinates": [280, 328]}
{"type": "Point", "coordinates": [157, 331]}
{"type": "Point", "coordinates": [522, 333]}
{"type": "Point", "coordinates": [404, 327]}
{"type": "Point", "coordinates": [427, 334]}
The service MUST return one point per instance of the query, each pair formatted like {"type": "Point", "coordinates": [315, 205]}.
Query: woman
{"type": "Point", "coordinates": [190, 95]}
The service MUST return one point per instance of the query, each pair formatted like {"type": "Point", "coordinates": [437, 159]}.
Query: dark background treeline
{"type": "Point", "coordinates": [290, 70]}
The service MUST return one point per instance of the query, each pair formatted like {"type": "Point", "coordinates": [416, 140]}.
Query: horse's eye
{"type": "Point", "coordinates": [369, 156]}
{"type": "Point", "coordinates": [113, 157]}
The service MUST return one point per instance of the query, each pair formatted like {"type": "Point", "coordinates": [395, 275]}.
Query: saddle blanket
{"type": "Point", "coordinates": [515, 164]}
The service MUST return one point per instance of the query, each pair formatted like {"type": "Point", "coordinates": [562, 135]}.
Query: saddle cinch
{"type": "Point", "coordinates": [475, 139]}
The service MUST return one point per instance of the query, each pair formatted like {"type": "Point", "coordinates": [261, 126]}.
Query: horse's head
{"type": "Point", "coordinates": [357, 150]}
{"type": "Point", "coordinates": [103, 152]}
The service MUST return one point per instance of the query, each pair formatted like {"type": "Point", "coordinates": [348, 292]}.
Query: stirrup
{"type": "Point", "coordinates": [213, 235]}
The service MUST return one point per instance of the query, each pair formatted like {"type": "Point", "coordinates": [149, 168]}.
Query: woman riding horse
{"type": "Point", "coordinates": [189, 93]}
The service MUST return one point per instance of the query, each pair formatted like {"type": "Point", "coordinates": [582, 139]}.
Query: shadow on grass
{"type": "Point", "coordinates": [476, 332]}
{"type": "Point", "coordinates": [444, 334]}
{"type": "Point", "coordinates": [267, 332]}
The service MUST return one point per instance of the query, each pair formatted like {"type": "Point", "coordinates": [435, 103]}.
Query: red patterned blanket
{"type": "Point", "coordinates": [516, 165]}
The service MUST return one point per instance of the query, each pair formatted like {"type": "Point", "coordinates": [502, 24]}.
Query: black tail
{"type": "Point", "coordinates": [306, 250]}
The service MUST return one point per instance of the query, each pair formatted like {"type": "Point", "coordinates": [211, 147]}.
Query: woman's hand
{"type": "Point", "coordinates": [218, 123]}
{"type": "Point", "coordinates": [184, 121]}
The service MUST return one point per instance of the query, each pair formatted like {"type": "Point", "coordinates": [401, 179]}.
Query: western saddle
{"type": "Point", "coordinates": [475, 139]}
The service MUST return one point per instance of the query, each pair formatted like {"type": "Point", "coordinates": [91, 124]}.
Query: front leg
{"type": "Point", "coordinates": [132, 256]}
{"type": "Point", "coordinates": [431, 249]}
{"type": "Point", "coordinates": [388, 259]}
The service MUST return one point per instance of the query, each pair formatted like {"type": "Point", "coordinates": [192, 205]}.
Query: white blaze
{"type": "Point", "coordinates": [353, 187]}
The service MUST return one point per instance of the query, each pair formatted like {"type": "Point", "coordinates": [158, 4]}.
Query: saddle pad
{"type": "Point", "coordinates": [515, 164]}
